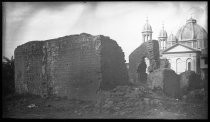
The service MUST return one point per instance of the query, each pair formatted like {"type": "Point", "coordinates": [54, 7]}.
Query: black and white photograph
{"type": "Point", "coordinates": [105, 60]}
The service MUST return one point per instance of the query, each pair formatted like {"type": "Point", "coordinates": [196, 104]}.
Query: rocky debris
{"type": "Point", "coordinates": [124, 100]}
{"type": "Point", "coordinates": [198, 95]}
{"type": "Point", "coordinates": [32, 106]}
{"type": "Point", "coordinates": [189, 80]}
{"type": "Point", "coordinates": [166, 80]}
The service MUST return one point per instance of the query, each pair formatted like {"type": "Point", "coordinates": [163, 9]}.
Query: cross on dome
{"type": "Point", "coordinates": [147, 19]}
{"type": "Point", "coordinates": [163, 25]}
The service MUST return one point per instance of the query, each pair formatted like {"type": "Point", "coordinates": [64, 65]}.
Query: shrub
{"type": "Point", "coordinates": [8, 72]}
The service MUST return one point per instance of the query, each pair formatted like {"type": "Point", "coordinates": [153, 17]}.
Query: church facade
{"type": "Point", "coordinates": [187, 50]}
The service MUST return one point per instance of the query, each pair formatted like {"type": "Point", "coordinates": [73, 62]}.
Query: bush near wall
{"type": "Point", "coordinates": [8, 81]}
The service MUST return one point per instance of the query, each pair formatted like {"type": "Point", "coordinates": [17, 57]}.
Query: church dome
{"type": "Point", "coordinates": [147, 28]}
{"type": "Point", "coordinates": [163, 33]}
{"type": "Point", "coordinates": [172, 38]}
{"type": "Point", "coordinates": [191, 31]}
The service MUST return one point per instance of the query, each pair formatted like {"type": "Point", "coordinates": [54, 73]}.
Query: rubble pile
{"type": "Point", "coordinates": [189, 80]}
{"type": "Point", "coordinates": [198, 95]}
{"type": "Point", "coordinates": [165, 79]}
{"type": "Point", "coordinates": [126, 100]}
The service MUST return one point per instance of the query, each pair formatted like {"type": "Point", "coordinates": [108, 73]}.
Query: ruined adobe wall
{"type": "Point", "coordinates": [166, 80]}
{"type": "Point", "coordinates": [28, 63]}
{"type": "Point", "coordinates": [149, 49]}
{"type": "Point", "coordinates": [135, 58]}
{"type": "Point", "coordinates": [74, 66]}
{"type": "Point", "coordinates": [113, 66]}
{"type": "Point", "coordinates": [70, 66]}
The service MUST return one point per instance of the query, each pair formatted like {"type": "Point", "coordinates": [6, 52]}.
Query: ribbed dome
{"type": "Point", "coordinates": [147, 28]}
{"type": "Point", "coordinates": [191, 31]}
{"type": "Point", "coordinates": [172, 37]}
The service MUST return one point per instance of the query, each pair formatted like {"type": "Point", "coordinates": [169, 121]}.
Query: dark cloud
{"type": "Point", "coordinates": [31, 8]}
{"type": "Point", "coordinates": [92, 16]}
{"type": "Point", "coordinates": [15, 20]}
{"type": "Point", "coordinates": [40, 5]}
{"type": "Point", "coordinates": [17, 14]}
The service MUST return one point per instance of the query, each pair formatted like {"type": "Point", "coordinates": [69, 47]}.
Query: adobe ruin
{"type": "Point", "coordinates": [137, 66]}
{"type": "Point", "coordinates": [159, 76]}
{"type": "Point", "coordinates": [75, 66]}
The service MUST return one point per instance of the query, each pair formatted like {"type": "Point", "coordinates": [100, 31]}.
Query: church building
{"type": "Point", "coordinates": [185, 51]}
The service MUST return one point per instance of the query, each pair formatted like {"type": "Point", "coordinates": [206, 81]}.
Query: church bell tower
{"type": "Point", "coordinates": [147, 32]}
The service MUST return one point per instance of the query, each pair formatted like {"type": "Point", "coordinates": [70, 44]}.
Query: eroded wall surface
{"type": "Point", "coordinates": [75, 66]}
{"type": "Point", "coordinates": [113, 68]}
{"type": "Point", "coordinates": [28, 65]}
{"type": "Point", "coordinates": [149, 49]}
{"type": "Point", "coordinates": [166, 80]}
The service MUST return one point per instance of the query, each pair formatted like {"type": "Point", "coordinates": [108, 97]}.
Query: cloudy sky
{"type": "Point", "coordinates": [121, 21]}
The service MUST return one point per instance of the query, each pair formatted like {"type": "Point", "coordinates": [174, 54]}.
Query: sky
{"type": "Point", "coordinates": [121, 21]}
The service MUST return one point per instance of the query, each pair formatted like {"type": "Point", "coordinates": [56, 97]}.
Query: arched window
{"type": "Point", "coordinates": [189, 64]}
{"type": "Point", "coordinates": [180, 66]}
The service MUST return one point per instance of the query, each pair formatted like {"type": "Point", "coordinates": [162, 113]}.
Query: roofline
{"type": "Point", "coordinates": [188, 47]}
{"type": "Point", "coordinates": [170, 47]}
{"type": "Point", "coordinates": [181, 52]}
{"type": "Point", "coordinates": [164, 51]}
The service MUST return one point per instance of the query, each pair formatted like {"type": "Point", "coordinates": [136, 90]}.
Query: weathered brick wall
{"type": "Point", "coordinates": [135, 58]}
{"type": "Point", "coordinates": [28, 63]}
{"type": "Point", "coordinates": [74, 66]}
{"type": "Point", "coordinates": [113, 66]}
{"type": "Point", "coordinates": [149, 49]}
{"type": "Point", "coordinates": [71, 66]}
{"type": "Point", "coordinates": [189, 81]}
{"type": "Point", "coordinates": [165, 79]}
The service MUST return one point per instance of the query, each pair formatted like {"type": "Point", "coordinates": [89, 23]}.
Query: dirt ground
{"type": "Point", "coordinates": [30, 106]}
